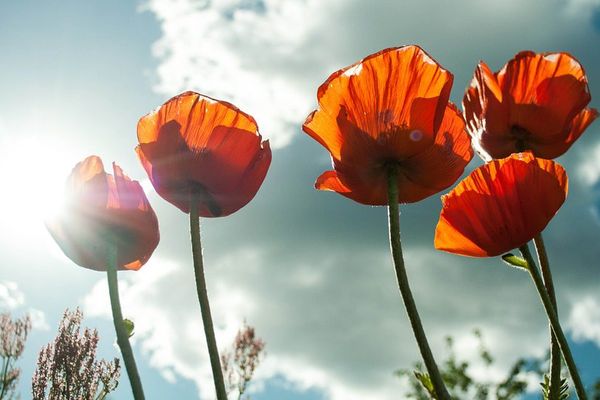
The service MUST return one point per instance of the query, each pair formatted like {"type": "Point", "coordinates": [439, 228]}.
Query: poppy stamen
{"type": "Point", "coordinates": [521, 135]}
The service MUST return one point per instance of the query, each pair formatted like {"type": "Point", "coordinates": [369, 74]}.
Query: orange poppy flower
{"type": "Point", "coordinates": [102, 210]}
{"type": "Point", "coordinates": [536, 102]}
{"type": "Point", "coordinates": [193, 144]}
{"type": "Point", "coordinates": [500, 206]}
{"type": "Point", "coordinates": [391, 107]}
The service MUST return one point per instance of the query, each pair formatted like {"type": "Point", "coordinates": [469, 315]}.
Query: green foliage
{"type": "Point", "coordinates": [515, 261]}
{"type": "Point", "coordinates": [460, 383]}
{"type": "Point", "coordinates": [129, 327]}
{"type": "Point", "coordinates": [564, 388]}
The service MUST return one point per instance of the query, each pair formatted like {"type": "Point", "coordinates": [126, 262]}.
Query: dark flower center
{"type": "Point", "coordinates": [520, 135]}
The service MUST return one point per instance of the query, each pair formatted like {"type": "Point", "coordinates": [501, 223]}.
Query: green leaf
{"type": "Point", "coordinates": [563, 392]}
{"type": "Point", "coordinates": [129, 327]}
{"type": "Point", "coordinates": [515, 261]}
{"type": "Point", "coordinates": [425, 380]}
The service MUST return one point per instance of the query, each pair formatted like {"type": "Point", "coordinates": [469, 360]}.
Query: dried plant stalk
{"type": "Point", "coordinates": [13, 335]}
{"type": "Point", "coordinates": [240, 363]}
{"type": "Point", "coordinates": [67, 368]}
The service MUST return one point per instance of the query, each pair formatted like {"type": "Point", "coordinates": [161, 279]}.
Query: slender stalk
{"type": "Point", "coordinates": [5, 366]}
{"type": "Point", "coordinates": [122, 335]}
{"type": "Point", "coordinates": [209, 331]}
{"type": "Point", "coordinates": [554, 323]}
{"type": "Point", "coordinates": [409, 302]}
{"type": "Point", "coordinates": [555, 361]}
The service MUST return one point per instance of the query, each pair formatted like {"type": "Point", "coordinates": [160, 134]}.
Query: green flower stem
{"type": "Point", "coordinates": [122, 336]}
{"type": "Point", "coordinates": [209, 331]}
{"type": "Point", "coordinates": [555, 360]}
{"type": "Point", "coordinates": [554, 323]}
{"type": "Point", "coordinates": [409, 302]}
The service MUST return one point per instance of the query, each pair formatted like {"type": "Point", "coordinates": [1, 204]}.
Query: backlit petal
{"type": "Point", "coordinates": [197, 116]}
{"type": "Point", "coordinates": [195, 144]}
{"type": "Point", "coordinates": [390, 108]}
{"type": "Point", "coordinates": [440, 165]}
{"type": "Point", "coordinates": [530, 104]}
{"type": "Point", "coordinates": [500, 206]}
{"type": "Point", "coordinates": [103, 211]}
{"type": "Point", "coordinates": [388, 91]}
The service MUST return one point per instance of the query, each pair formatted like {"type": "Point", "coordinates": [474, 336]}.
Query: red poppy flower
{"type": "Point", "coordinates": [193, 144]}
{"type": "Point", "coordinates": [101, 211]}
{"type": "Point", "coordinates": [391, 107]}
{"type": "Point", "coordinates": [500, 206]}
{"type": "Point", "coordinates": [536, 102]}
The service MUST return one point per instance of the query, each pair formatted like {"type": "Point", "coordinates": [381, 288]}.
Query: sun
{"type": "Point", "coordinates": [33, 171]}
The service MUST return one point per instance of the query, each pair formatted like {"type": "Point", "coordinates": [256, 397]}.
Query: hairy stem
{"type": "Point", "coordinates": [209, 331]}
{"type": "Point", "coordinates": [555, 360]}
{"type": "Point", "coordinates": [122, 335]}
{"type": "Point", "coordinates": [554, 323]}
{"type": "Point", "coordinates": [403, 285]}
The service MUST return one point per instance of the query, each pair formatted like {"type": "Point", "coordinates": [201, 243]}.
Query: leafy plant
{"type": "Point", "coordinates": [462, 385]}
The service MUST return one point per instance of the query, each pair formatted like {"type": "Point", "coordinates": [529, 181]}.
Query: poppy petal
{"type": "Point", "coordinates": [197, 115]}
{"type": "Point", "coordinates": [134, 222]}
{"type": "Point", "coordinates": [103, 211]}
{"type": "Point", "coordinates": [329, 180]}
{"type": "Point", "coordinates": [531, 106]}
{"type": "Point", "coordinates": [385, 92]}
{"type": "Point", "coordinates": [484, 108]}
{"type": "Point", "coordinates": [500, 206]}
{"type": "Point", "coordinates": [390, 108]}
{"type": "Point", "coordinates": [580, 123]}
{"type": "Point", "coordinates": [196, 144]}
{"type": "Point", "coordinates": [88, 183]}
{"type": "Point", "coordinates": [442, 164]}
{"type": "Point", "coordinates": [555, 82]}
{"type": "Point", "coordinates": [227, 199]}
{"type": "Point", "coordinates": [353, 186]}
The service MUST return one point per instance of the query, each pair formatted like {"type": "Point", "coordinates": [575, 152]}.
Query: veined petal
{"type": "Point", "coordinates": [530, 104]}
{"type": "Point", "coordinates": [391, 90]}
{"type": "Point", "coordinates": [580, 123]}
{"type": "Point", "coordinates": [441, 164]}
{"type": "Point", "coordinates": [483, 105]}
{"type": "Point", "coordinates": [197, 115]}
{"type": "Point", "coordinates": [500, 206]}
{"type": "Point", "coordinates": [225, 199]}
{"type": "Point", "coordinates": [390, 108]}
{"type": "Point", "coordinates": [545, 91]}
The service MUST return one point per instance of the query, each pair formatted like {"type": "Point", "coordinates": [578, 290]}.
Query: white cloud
{"type": "Point", "coordinates": [38, 319]}
{"type": "Point", "coordinates": [332, 320]}
{"type": "Point", "coordinates": [584, 319]}
{"type": "Point", "coordinates": [269, 56]}
{"type": "Point", "coordinates": [582, 7]}
{"type": "Point", "coordinates": [223, 49]}
{"type": "Point", "coordinates": [11, 296]}
{"type": "Point", "coordinates": [12, 299]}
{"type": "Point", "coordinates": [589, 166]}
{"type": "Point", "coordinates": [345, 340]}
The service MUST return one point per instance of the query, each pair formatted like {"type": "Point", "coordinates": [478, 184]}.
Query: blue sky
{"type": "Point", "coordinates": [309, 270]}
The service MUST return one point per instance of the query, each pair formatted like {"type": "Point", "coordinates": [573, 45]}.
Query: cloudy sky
{"type": "Point", "coordinates": [310, 270]}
